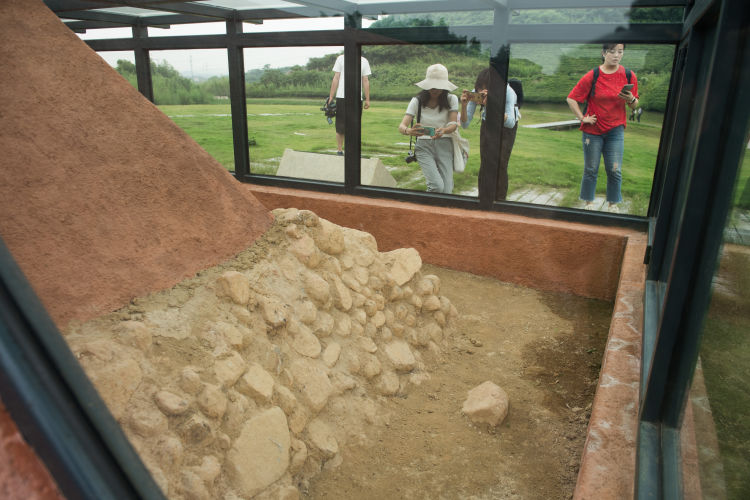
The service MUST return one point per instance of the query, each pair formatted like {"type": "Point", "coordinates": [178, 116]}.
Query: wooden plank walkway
{"type": "Point", "coordinates": [543, 196]}
{"type": "Point", "coordinates": [563, 125]}
{"type": "Point", "coordinates": [540, 196]}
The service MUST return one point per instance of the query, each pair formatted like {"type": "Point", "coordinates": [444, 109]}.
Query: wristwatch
{"type": "Point", "coordinates": [634, 99]}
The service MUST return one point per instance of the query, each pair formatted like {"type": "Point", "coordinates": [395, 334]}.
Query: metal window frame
{"type": "Point", "coordinates": [706, 144]}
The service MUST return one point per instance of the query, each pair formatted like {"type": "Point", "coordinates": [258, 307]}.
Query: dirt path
{"type": "Point", "coordinates": [544, 349]}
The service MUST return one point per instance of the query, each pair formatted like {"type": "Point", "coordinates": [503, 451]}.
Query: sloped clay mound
{"type": "Point", "coordinates": [251, 376]}
{"type": "Point", "coordinates": [102, 197]}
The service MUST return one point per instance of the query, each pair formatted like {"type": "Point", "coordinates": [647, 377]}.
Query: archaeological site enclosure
{"type": "Point", "coordinates": [171, 327]}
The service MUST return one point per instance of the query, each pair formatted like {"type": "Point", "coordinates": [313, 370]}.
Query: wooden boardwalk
{"type": "Point", "coordinates": [543, 196]}
{"type": "Point", "coordinates": [563, 125]}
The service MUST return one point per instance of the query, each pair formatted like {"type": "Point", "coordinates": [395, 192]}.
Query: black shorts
{"type": "Point", "coordinates": [340, 114]}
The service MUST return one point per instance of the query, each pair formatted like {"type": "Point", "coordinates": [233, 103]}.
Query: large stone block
{"type": "Point", "coordinates": [326, 167]}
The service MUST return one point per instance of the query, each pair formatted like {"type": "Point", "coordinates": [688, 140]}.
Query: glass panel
{"type": "Point", "coordinates": [313, 24]}
{"type": "Point", "coordinates": [395, 71]}
{"type": "Point", "coordinates": [96, 34]}
{"type": "Point", "coordinates": [218, 28]}
{"type": "Point", "coordinates": [289, 134]}
{"type": "Point", "coordinates": [622, 16]}
{"type": "Point", "coordinates": [192, 88]}
{"type": "Point", "coordinates": [546, 164]}
{"type": "Point", "coordinates": [716, 429]}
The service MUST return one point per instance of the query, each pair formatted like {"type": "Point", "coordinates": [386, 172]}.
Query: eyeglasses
{"type": "Point", "coordinates": [618, 52]}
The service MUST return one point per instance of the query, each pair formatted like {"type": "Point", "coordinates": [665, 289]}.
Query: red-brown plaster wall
{"type": "Point", "coordinates": [542, 254]}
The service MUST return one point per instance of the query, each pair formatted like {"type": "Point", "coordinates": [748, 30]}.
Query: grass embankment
{"type": "Point", "coordinates": [544, 158]}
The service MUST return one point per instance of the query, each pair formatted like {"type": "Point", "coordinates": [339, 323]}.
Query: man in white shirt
{"type": "Point", "coordinates": [337, 89]}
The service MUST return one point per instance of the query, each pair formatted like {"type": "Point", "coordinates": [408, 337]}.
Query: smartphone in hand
{"type": "Point", "coordinates": [627, 88]}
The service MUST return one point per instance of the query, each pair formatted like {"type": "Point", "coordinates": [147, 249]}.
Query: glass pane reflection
{"type": "Point", "coordinates": [716, 429]}
{"type": "Point", "coordinates": [546, 166]}
{"type": "Point", "coordinates": [288, 131]}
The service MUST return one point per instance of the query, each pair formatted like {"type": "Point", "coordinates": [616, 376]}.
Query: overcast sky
{"type": "Point", "coordinates": [211, 62]}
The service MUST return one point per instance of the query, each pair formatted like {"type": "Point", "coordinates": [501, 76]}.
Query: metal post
{"type": "Point", "coordinates": [142, 62]}
{"type": "Point", "coordinates": [352, 100]}
{"type": "Point", "coordinates": [238, 98]}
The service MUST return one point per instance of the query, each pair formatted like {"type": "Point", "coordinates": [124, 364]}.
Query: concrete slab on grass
{"type": "Point", "coordinates": [324, 167]}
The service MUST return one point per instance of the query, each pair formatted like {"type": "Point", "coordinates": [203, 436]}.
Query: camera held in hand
{"type": "Point", "coordinates": [329, 109]}
{"type": "Point", "coordinates": [410, 157]}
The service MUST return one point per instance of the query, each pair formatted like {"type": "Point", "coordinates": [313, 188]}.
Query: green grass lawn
{"type": "Point", "coordinates": [545, 158]}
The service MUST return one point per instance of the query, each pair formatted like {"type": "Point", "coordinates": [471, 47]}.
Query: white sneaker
{"type": "Point", "coordinates": [613, 208]}
{"type": "Point", "coordinates": [589, 206]}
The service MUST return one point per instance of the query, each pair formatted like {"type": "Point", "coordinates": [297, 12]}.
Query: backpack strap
{"type": "Point", "coordinates": [593, 82]}
{"type": "Point", "coordinates": [628, 75]}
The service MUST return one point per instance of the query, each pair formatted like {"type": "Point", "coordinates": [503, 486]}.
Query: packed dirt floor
{"type": "Point", "coordinates": [314, 366]}
{"type": "Point", "coordinates": [544, 349]}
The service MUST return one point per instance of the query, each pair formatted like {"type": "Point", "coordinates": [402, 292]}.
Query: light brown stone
{"type": "Point", "coordinates": [190, 381]}
{"type": "Point", "coordinates": [148, 422]}
{"type": "Point", "coordinates": [170, 403]}
{"type": "Point", "coordinates": [256, 383]}
{"type": "Point", "coordinates": [402, 264]}
{"type": "Point", "coordinates": [487, 404]}
{"type": "Point", "coordinates": [229, 368]}
{"type": "Point", "coordinates": [260, 455]}
{"type": "Point", "coordinates": [400, 355]}
{"type": "Point", "coordinates": [431, 303]}
{"type": "Point", "coordinates": [342, 297]}
{"type": "Point", "coordinates": [321, 437]}
{"type": "Point", "coordinates": [312, 382]}
{"type": "Point", "coordinates": [234, 285]}
{"type": "Point", "coordinates": [331, 354]}
{"type": "Point", "coordinates": [212, 401]}
{"type": "Point", "coordinates": [305, 343]}
{"type": "Point", "coordinates": [306, 251]}
{"type": "Point", "coordinates": [316, 287]}
{"type": "Point", "coordinates": [388, 384]}
{"type": "Point", "coordinates": [371, 367]}
{"type": "Point", "coordinates": [273, 312]}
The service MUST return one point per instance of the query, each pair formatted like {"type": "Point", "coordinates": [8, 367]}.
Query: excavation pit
{"type": "Point", "coordinates": [312, 364]}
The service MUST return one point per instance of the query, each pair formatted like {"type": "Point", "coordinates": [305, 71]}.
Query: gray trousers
{"type": "Point", "coordinates": [435, 157]}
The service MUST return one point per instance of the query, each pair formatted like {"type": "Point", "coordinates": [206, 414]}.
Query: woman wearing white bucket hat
{"type": "Point", "coordinates": [437, 110]}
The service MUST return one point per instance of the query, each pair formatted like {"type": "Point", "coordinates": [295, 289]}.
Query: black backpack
{"type": "Point", "coordinates": [628, 74]}
{"type": "Point", "coordinates": [517, 87]}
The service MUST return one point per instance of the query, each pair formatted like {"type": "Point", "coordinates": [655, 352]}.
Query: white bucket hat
{"type": "Point", "coordinates": [436, 78]}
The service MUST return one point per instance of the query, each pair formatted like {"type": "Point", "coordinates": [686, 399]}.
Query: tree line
{"type": "Point", "coordinates": [548, 71]}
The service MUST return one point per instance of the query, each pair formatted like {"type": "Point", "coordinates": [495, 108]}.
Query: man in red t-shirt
{"type": "Point", "coordinates": [603, 124]}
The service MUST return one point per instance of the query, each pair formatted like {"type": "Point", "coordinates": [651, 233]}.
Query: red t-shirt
{"type": "Point", "coordinates": [608, 108]}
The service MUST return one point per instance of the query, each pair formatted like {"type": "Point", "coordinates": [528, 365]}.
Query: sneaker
{"type": "Point", "coordinates": [589, 206]}
{"type": "Point", "coordinates": [340, 153]}
{"type": "Point", "coordinates": [613, 208]}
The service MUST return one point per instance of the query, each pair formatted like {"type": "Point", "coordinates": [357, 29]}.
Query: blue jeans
{"type": "Point", "coordinates": [610, 145]}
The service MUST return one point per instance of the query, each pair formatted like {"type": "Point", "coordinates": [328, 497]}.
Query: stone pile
{"type": "Point", "coordinates": [247, 379]}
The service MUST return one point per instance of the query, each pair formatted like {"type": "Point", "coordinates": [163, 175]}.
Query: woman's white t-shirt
{"type": "Point", "coordinates": [431, 117]}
